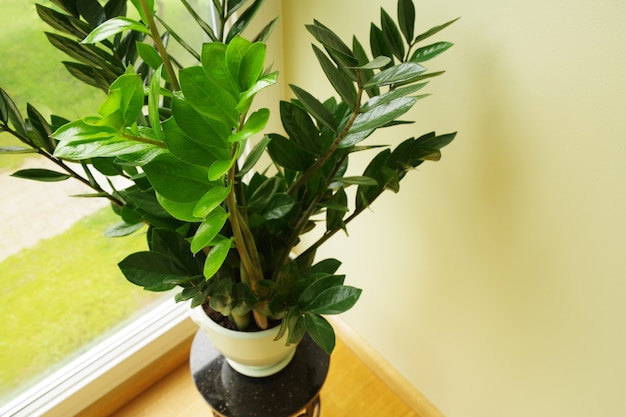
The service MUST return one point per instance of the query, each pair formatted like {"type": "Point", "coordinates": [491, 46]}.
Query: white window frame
{"type": "Point", "coordinates": [96, 373]}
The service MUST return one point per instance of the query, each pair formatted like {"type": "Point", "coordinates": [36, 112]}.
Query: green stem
{"type": "Point", "coordinates": [159, 44]}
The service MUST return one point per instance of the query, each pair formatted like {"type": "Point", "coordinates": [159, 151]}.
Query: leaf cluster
{"type": "Point", "coordinates": [222, 226]}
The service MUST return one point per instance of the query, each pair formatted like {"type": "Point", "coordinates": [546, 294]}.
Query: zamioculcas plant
{"type": "Point", "coordinates": [222, 221]}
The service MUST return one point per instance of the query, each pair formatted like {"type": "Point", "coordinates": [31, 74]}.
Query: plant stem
{"type": "Point", "coordinates": [159, 44]}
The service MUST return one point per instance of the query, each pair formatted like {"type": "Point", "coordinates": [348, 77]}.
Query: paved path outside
{"type": "Point", "coordinates": [33, 210]}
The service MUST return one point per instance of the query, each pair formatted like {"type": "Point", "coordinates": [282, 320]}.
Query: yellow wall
{"type": "Point", "coordinates": [495, 282]}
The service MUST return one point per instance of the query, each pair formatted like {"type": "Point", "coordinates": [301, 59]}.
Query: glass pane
{"type": "Point", "coordinates": [61, 288]}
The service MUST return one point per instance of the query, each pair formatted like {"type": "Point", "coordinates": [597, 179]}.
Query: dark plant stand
{"type": "Point", "coordinates": [294, 391]}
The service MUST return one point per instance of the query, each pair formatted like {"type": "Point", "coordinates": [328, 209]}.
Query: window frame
{"type": "Point", "coordinates": [147, 341]}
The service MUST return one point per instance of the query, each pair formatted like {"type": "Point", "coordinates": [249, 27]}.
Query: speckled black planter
{"type": "Point", "coordinates": [280, 395]}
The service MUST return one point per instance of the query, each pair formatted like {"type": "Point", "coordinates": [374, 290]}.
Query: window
{"type": "Point", "coordinates": [71, 325]}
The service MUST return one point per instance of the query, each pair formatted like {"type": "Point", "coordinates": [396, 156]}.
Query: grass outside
{"type": "Point", "coordinates": [61, 294]}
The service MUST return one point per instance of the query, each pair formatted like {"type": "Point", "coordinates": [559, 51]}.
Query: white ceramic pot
{"type": "Point", "coordinates": [254, 354]}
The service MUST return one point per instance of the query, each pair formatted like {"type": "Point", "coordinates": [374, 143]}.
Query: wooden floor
{"type": "Point", "coordinates": [351, 389]}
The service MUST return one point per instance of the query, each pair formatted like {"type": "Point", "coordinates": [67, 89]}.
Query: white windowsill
{"type": "Point", "coordinates": [100, 370]}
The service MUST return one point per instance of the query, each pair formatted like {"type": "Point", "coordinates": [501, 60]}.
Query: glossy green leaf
{"type": "Point", "coordinates": [356, 180]}
{"type": "Point", "coordinates": [41, 131]}
{"type": "Point", "coordinates": [209, 134]}
{"type": "Point", "coordinates": [210, 201]}
{"type": "Point", "coordinates": [436, 29]}
{"type": "Point", "coordinates": [186, 148]}
{"type": "Point", "coordinates": [123, 229]}
{"type": "Point", "coordinates": [406, 19]}
{"type": "Point", "coordinates": [219, 168]}
{"type": "Point", "coordinates": [326, 266]}
{"type": "Point", "coordinates": [235, 53]}
{"type": "Point", "coordinates": [180, 211]}
{"type": "Point", "coordinates": [124, 102]}
{"type": "Point", "coordinates": [315, 108]}
{"type": "Point", "coordinates": [288, 154]}
{"type": "Point", "coordinates": [330, 40]}
{"type": "Point", "coordinates": [243, 20]}
{"type": "Point", "coordinates": [83, 130]}
{"type": "Point", "coordinates": [382, 114]}
{"type": "Point", "coordinates": [215, 67]}
{"type": "Point", "coordinates": [378, 44]}
{"type": "Point", "coordinates": [255, 123]}
{"type": "Point", "coordinates": [207, 97]}
{"type": "Point", "coordinates": [177, 181]}
{"type": "Point", "coordinates": [91, 11]}
{"type": "Point", "coordinates": [39, 174]}
{"type": "Point", "coordinates": [335, 300]}
{"type": "Point", "coordinates": [149, 54]}
{"type": "Point", "coordinates": [392, 34]}
{"type": "Point", "coordinates": [137, 4]}
{"type": "Point", "coordinates": [320, 331]}
{"type": "Point", "coordinates": [216, 256]}
{"type": "Point", "coordinates": [340, 82]}
{"type": "Point", "coordinates": [209, 229]}
{"type": "Point", "coordinates": [397, 74]}
{"type": "Point", "coordinates": [300, 127]}
{"type": "Point", "coordinates": [265, 33]}
{"type": "Point", "coordinates": [153, 271]}
{"type": "Point", "coordinates": [429, 52]}
{"type": "Point", "coordinates": [252, 64]}
{"type": "Point", "coordinates": [254, 156]}
{"type": "Point", "coordinates": [336, 213]}
{"type": "Point", "coordinates": [154, 102]}
{"type": "Point", "coordinates": [9, 112]}
{"type": "Point", "coordinates": [392, 95]}
{"type": "Point", "coordinates": [114, 26]}
{"type": "Point", "coordinates": [376, 63]}
{"type": "Point", "coordinates": [278, 207]}
{"type": "Point", "coordinates": [15, 149]}
{"type": "Point", "coordinates": [245, 98]}
{"type": "Point", "coordinates": [264, 193]}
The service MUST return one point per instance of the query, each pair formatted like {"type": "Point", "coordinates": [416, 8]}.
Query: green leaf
{"type": "Point", "coordinates": [122, 229]}
{"type": "Point", "coordinates": [217, 256]}
{"type": "Point", "coordinates": [137, 4]}
{"type": "Point", "coordinates": [243, 20]}
{"type": "Point", "coordinates": [300, 127]}
{"type": "Point", "coordinates": [180, 211]}
{"type": "Point", "coordinates": [382, 114]}
{"type": "Point", "coordinates": [210, 134]}
{"type": "Point", "coordinates": [326, 266]}
{"type": "Point", "coordinates": [335, 300]}
{"type": "Point", "coordinates": [406, 19]}
{"type": "Point", "coordinates": [124, 102]}
{"type": "Point", "coordinates": [114, 26]}
{"type": "Point", "coordinates": [429, 52]}
{"type": "Point", "coordinates": [330, 40]}
{"type": "Point", "coordinates": [254, 124]}
{"type": "Point", "coordinates": [315, 108]}
{"type": "Point", "coordinates": [176, 180]}
{"type": "Point", "coordinates": [430, 32]}
{"type": "Point", "coordinates": [288, 154]}
{"type": "Point", "coordinates": [153, 271]}
{"type": "Point", "coordinates": [149, 54]}
{"type": "Point", "coordinates": [392, 95]}
{"type": "Point", "coordinates": [392, 34]}
{"type": "Point", "coordinates": [40, 128]}
{"type": "Point", "coordinates": [153, 103]}
{"type": "Point", "coordinates": [16, 150]}
{"type": "Point", "coordinates": [207, 97]}
{"type": "Point", "coordinates": [251, 66]}
{"type": "Point", "coordinates": [245, 98]}
{"type": "Point", "coordinates": [334, 216]}
{"type": "Point", "coordinates": [321, 331]}
{"type": "Point", "coordinates": [356, 180]}
{"type": "Point", "coordinates": [185, 148]}
{"type": "Point", "coordinates": [278, 207]}
{"type": "Point", "coordinates": [397, 74]}
{"type": "Point", "coordinates": [210, 200]}
{"type": "Point", "coordinates": [254, 156]}
{"type": "Point", "coordinates": [209, 229]}
{"type": "Point", "coordinates": [38, 174]}
{"type": "Point", "coordinates": [215, 67]}
{"type": "Point", "coordinates": [376, 63]}
{"type": "Point", "coordinates": [340, 82]}
{"type": "Point", "coordinates": [9, 112]}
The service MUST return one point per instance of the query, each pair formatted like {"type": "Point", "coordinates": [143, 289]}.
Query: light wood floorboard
{"type": "Point", "coordinates": [351, 389]}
